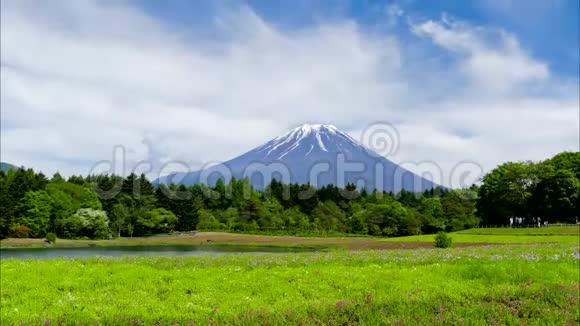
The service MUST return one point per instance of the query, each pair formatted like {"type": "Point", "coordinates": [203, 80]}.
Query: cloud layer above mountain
{"type": "Point", "coordinates": [80, 77]}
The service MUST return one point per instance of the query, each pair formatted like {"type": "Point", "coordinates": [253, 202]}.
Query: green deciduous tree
{"type": "Point", "coordinates": [557, 196]}
{"type": "Point", "coordinates": [506, 192]}
{"type": "Point", "coordinates": [158, 220]}
{"type": "Point", "coordinates": [34, 211]}
{"type": "Point", "coordinates": [117, 219]}
{"type": "Point", "coordinates": [94, 223]}
{"type": "Point", "coordinates": [208, 222]}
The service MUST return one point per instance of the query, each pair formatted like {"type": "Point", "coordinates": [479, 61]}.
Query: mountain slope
{"type": "Point", "coordinates": [7, 166]}
{"type": "Point", "coordinates": [315, 154]}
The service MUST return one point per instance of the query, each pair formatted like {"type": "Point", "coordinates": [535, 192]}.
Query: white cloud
{"type": "Point", "coordinates": [498, 64]}
{"type": "Point", "coordinates": [80, 77]}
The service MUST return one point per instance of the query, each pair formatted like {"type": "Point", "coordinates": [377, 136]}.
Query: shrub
{"type": "Point", "coordinates": [208, 222]}
{"type": "Point", "coordinates": [375, 230]}
{"type": "Point", "coordinates": [248, 227]}
{"type": "Point", "coordinates": [358, 224]}
{"type": "Point", "coordinates": [51, 237]}
{"type": "Point", "coordinates": [390, 231]}
{"type": "Point", "coordinates": [442, 240]}
{"type": "Point", "coordinates": [19, 231]}
{"type": "Point", "coordinates": [87, 222]}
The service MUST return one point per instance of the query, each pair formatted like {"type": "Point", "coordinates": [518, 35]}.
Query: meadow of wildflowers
{"type": "Point", "coordinates": [492, 285]}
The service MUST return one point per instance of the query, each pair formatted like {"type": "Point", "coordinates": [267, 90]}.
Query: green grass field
{"type": "Point", "coordinates": [506, 235]}
{"type": "Point", "coordinates": [533, 279]}
{"type": "Point", "coordinates": [476, 238]}
{"type": "Point", "coordinates": [502, 285]}
{"type": "Point", "coordinates": [550, 230]}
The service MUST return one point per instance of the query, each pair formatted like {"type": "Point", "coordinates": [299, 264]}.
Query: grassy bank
{"type": "Point", "coordinates": [506, 235]}
{"type": "Point", "coordinates": [211, 238]}
{"type": "Point", "coordinates": [550, 230]}
{"type": "Point", "coordinates": [462, 238]}
{"type": "Point", "coordinates": [491, 238]}
{"type": "Point", "coordinates": [525, 284]}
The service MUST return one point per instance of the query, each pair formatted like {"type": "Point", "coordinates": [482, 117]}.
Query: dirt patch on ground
{"type": "Point", "coordinates": [210, 238]}
{"type": "Point", "coordinates": [21, 241]}
{"type": "Point", "coordinates": [343, 242]}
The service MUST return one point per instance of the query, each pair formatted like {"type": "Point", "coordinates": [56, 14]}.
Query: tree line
{"type": "Point", "coordinates": [104, 206]}
{"type": "Point", "coordinates": [547, 191]}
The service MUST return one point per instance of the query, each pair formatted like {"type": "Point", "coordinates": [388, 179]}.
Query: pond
{"type": "Point", "coordinates": [183, 250]}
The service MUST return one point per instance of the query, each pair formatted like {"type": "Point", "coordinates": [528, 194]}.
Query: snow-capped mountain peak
{"type": "Point", "coordinates": [308, 139]}
{"type": "Point", "coordinates": [317, 154]}
{"type": "Point", "coordinates": [307, 128]}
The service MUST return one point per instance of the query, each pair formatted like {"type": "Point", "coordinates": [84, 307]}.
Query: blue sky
{"type": "Point", "coordinates": [548, 29]}
{"type": "Point", "coordinates": [203, 81]}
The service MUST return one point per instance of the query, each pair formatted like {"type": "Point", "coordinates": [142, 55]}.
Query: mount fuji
{"type": "Point", "coordinates": [315, 154]}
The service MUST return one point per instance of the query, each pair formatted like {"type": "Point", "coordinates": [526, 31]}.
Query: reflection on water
{"type": "Point", "coordinates": [144, 251]}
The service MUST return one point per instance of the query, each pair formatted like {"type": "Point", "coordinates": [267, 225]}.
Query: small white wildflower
{"type": "Point", "coordinates": [15, 309]}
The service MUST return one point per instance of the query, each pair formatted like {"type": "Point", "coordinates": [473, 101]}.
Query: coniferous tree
{"type": "Point", "coordinates": [6, 206]}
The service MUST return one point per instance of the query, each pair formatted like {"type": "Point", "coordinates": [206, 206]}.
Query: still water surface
{"type": "Point", "coordinates": [212, 250]}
